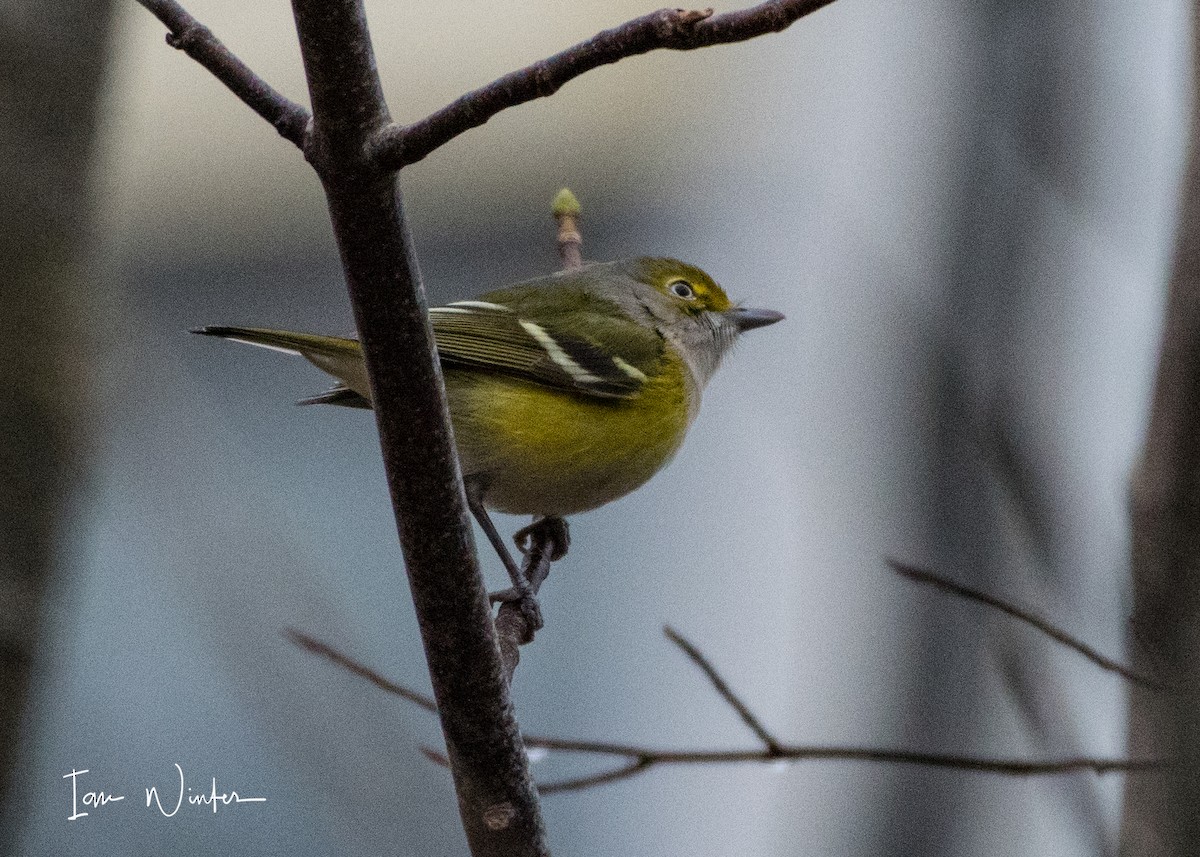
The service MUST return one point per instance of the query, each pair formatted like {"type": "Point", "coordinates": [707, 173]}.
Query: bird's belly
{"type": "Point", "coordinates": [545, 452]}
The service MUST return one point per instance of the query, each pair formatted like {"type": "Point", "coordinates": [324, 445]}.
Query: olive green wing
{"type": "Point", "coordinates": [561, 338]}
{"type": "Point", "coordinates": [552, 332]}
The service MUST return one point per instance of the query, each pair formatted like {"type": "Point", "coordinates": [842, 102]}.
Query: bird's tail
{"type": "Point", "coordinates": [340, 356]}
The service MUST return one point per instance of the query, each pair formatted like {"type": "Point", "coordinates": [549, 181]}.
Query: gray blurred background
{"type": "Point", "coordinates": [965, 210]}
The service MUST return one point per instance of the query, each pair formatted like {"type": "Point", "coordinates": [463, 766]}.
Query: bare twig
{"type": "Point", "coordinates": [198, 42]}
{"type": "Point", "coordinates": [676, 29]}
{"type": "Point", "coordinates": [774, 748]}
{"type": "Point", "coordinates": [394, 146]}
{"type": "Point", "coordinates": [644, 758]}
{"type": "Point", "coordinates": [317, 647]}
{"type": "Point", "coordinates": [641, 758]}
{"type": "Point", "coordinates": [630, 769]}
{"type": "Point", "coordinates": [920, 575]}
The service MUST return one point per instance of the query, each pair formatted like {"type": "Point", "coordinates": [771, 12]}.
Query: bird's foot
{"type": "Point", "coordinates": [526, 603]}
{"type": "Point", "coordinates": [550, 528]}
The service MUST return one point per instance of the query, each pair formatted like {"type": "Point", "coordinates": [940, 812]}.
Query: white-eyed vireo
{"type": "Point", "coordinates": [565, 392]}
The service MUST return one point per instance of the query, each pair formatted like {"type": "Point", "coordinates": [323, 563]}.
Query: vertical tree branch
{"type": "Point", "coordinates": [51, 118]}
{"type": "Point", "coordinates": [1162, 813]}
{"type": "Point", "coordinates": [497, 799]}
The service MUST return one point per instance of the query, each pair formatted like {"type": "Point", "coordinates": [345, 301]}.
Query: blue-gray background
{"type": "Point", "coordinates": [965, 210]}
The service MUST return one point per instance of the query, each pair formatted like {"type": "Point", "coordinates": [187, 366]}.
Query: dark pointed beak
{"type": "Point", "coordinates": [748, 319]}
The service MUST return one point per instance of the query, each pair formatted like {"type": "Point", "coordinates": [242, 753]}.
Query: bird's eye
{"type": "Point", "coordinates": [682, 290]}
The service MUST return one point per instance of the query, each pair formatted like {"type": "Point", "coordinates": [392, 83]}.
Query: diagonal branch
{"type": "Point", "coordinates": [396, 146]}
{"type": "Point", "coordinates": [198, 42]}
{"type": "Point", "coordinates": [920, 575]}
{"type": "Point", "coordinates": [774, 748]}
{"type": "Point", "coordinates": [627, 771]}
{"type": "Point", "coordinates": [328, 652]}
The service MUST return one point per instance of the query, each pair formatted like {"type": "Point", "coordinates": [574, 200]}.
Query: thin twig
{"type": "Point", "coordinates": [326, 651]}
{"type": "Point", "coordinates": [394, 146]}
{"type": "Point", "coordinates": [187, 34]}
{"type": "Point", "coordinates": [920, 575]}
{"type": "Point", "coordinates": [649, 758]}
{"type": "Point", "coordinates": [641, 758]}
{"type": "Point", "coordinates": [630, 769]}
{"type": "Point", "coordinates": [774, 748]}
{"type": "Point", "coordinates": [397, 146]}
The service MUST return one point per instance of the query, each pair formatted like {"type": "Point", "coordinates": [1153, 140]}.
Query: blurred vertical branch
{"type": "Point", "coordinates": [1162, 813]}
{"type": "Point", "coordinates": [49, 124]}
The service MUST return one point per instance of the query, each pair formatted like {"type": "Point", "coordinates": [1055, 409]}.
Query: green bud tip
{"type": "Point", "coordinates": [565, 204]}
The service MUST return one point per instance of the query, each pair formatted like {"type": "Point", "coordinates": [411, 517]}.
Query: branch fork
{"type": "Point", "coordinates": [393, 146]}
{"type": "Point", "coordinates": [639, 759]}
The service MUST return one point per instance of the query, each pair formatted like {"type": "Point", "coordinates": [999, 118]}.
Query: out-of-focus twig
{"type": "Point", "coordinates": [1160, 815]}
{"type": "Point", "coordinates": [960, 590]}
{"type": "Point", "coordinates": [328, 652]}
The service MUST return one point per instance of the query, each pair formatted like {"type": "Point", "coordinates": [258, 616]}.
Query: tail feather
{"type": "Point", "coordinates": [286, 341]}
{"type": "Point", "coordinates": [339, 395]}
{"type": "Point", "coordinates": [340, 356]}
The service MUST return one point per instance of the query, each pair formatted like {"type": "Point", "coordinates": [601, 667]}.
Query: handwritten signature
{"type": "Point", "coordinates": [99, 799]}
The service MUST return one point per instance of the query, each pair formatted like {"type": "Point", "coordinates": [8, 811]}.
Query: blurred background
{"type": "Point", "coordinates": [966, 212]}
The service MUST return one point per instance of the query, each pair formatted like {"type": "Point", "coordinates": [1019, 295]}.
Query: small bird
{"type": "Point", "coordinates": [566, 392]}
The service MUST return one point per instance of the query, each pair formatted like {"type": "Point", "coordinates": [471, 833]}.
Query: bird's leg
{"type": "Point", "coordinates": [519, 591]}
{"type": "Point", "coordinates": [475, 504]}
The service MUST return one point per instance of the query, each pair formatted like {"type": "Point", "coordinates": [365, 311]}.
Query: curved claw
{"type": "Point", "coordinates": [552, 529]}
{"type": "Point", "coordinates": [527, 604]}
{"type": "Point", "coordinates": [504, 596]}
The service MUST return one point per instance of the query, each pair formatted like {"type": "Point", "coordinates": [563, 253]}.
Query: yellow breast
{"type": "Point", "coordinates": [546, 452]}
